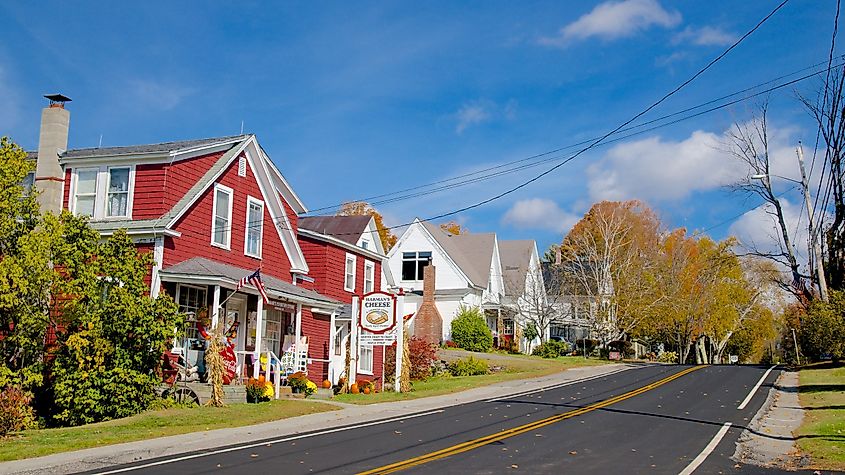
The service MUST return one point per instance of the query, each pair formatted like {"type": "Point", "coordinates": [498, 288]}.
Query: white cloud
{"type": "Point", "coordinates": [611, 20]}
{"type": "Point", "coordinates": [758, 230]}
{"type": "Point", "coordinates": [159, 95]}
{"type": "Point", "coordinates": [705, 36]}
{"type": "Point", "coordinates": [539, 213]}
{"type": "Point", "coordinates": [656, 170]}
{"type": "Point", "coordinates": [483, 110]}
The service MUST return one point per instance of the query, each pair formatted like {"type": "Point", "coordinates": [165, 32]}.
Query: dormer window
{"type": "Point", "coordinates": [102, 192]}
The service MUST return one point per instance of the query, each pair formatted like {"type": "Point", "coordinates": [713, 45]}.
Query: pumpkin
{"type": "Point", "coordinates": [261, 378]}
{"type": "Point", "coordinates": [327, 384]}
{"type": "Point", "coordinates": [354, 388]}
{"type": "Point", "coordinates": [367, 390]}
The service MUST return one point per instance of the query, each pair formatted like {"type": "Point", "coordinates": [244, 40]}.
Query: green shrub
{"type": "Point", "coordinates": [668, 357]}
{"type": "Point", "coordinates": [15, 411]}
{"type": "Point", "coordinates": [468, 367]}
{"type": "Point", "coordinates": [823, 328]}
{"type": "Point", "coordinates": [470, 331]}
{"type": "Point", "coordinates": [552, 349]}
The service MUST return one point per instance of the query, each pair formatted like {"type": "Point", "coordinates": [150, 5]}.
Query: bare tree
{"type": "Point", "coordinates": [533, 301]}
{"type": "Point", "coordinates": [748, 142]}
{"type": "Point", "coordinates": [828, 110]}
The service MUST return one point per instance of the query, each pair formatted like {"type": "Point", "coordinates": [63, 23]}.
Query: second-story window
{"type": "Point", "coordinates": [413, 264]}
{"type": "Point", "coordinates": [254, 227]}
{"type": "Point", "coordinates": [369, 276]}
{"type": "Point", "coordinates": [349, 274]}
{"type": "Point", "coordinates": [85, 197]}
{"type": "Point", "coordinates": [117, 202]}
{"type": "Point", "coordinates": [221, 226]}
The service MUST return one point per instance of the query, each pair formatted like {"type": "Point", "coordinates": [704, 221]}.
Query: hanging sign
{"type": "Point", "coordinates": [377, 339]}
{"type": "Point", "coordinates": [378, 313]}
{"type": "Point", "coordinates": [282, 306]}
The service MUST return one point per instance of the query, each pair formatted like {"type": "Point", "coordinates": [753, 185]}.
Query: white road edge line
{"type": "Point", "coordinates": [707, 450]}
{"type": "Point", "coordinates": [265, 442]}
{"type": "Point", "coordinates": [556, 386]}
{"type": "Point", "coordinates": [754, 389]}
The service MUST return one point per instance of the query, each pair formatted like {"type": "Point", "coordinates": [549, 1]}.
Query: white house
{"type": "Point", "coordinates": [468, 270]}
{"type": "Point", "coordinates": [525, 299]}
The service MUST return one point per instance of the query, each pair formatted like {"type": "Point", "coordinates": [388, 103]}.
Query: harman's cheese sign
{"type": "Point", "coordinates": [378, 312]}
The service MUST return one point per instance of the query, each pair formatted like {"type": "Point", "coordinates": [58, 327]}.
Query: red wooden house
{"type": "Point", "coordinates": [211, 211]}
{"type": "Point", "coordinates": [346, 254]}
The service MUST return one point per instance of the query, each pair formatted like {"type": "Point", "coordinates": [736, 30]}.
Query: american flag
{"type": "Point", "coordinates": [255, 280]}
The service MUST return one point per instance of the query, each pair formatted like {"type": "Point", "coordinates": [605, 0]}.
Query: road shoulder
{"type": "Point", "coordinates": [769, 439]}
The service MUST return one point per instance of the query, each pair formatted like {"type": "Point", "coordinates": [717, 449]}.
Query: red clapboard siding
{"type": "Point", "coordinates": [195, 227]}
{"type": "Point", "coordinates": [317, 328]}
{"type": "Point", "coordinates": [292, 216]}
{"type": "Point", "coordinates": [159, 186]}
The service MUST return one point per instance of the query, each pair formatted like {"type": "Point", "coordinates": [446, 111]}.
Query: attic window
{"type": "Point", "coordinates": [413, 264]}
{"type": "Point", "coordinates": [242, 166]}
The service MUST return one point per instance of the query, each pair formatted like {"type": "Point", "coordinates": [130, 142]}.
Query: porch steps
{"type": "Point", "coordinates": [232, 394]}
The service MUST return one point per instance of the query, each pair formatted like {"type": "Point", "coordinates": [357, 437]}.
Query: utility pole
{"type": "Point", "coordinates": [815, 249]}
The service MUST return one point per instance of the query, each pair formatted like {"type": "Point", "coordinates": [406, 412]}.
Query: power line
{"type": "Point", "coordinates": [370, 199]}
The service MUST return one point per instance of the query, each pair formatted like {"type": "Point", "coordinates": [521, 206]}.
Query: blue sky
{"type": "Point", "coordinates": [353, 100]}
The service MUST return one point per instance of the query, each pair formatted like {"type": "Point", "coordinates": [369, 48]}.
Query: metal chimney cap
{"type": "Point", "coordinates": [57, 98]}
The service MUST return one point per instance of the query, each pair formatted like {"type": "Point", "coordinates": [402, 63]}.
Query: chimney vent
{"type": "Point", "coordinates": [57, 100]}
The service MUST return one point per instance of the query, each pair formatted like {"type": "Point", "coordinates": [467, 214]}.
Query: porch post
{"type": "Point", "coordinates": [297, 336]}
{"type": "Point", "coordinates": [215, 306]}
{"type": "Point", "coordinates": [259, 323]}
{"type": "Point", "coordinates": [352, 371]}
{"type": "Point", "coordinates": [158, 257]}
{"type": "Point", "coordinates": [332, 331]}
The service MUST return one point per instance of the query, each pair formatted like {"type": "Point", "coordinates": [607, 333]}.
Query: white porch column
{"type": "Point", "coordinates": [352, 371]}
{"type": "Point", "coordinates": [332, 332]}
{"type": "Point", "coordinates": [259, 324]}
{"type": "Point", "coordinates": [297, 336]}
{"type": "Point", "coordinates": [215, 306]}
{"type": "Point", "coordinates": [158, 258]}
{"type": "Point", "coordinates": [400, 340]}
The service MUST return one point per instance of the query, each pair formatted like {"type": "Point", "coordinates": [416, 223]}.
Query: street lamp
{"type": "Point", "coordinates": [815, 249]}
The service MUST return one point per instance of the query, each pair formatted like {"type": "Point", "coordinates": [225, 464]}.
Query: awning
{"type": "Point", "coordinates": [199, 270]}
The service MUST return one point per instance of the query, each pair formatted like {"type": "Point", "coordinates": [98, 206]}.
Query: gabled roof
{"type": "Point", "coordinates": [346, 228]}
{"type": "Point", "coordinates": [472, 252]}
{"type": "Point", "coordinates": [209, 269]}
{"type": "Point", "coordinates": [516, 260]}
{"type": "Point", "coordinates": [160, 147]}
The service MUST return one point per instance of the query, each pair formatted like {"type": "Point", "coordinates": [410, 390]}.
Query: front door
{"type": "Point", "coordinates": [236, 312]}
{"type": "Point", "coordinates": [337, 367]}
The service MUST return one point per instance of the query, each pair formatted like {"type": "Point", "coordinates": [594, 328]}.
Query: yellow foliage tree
{"type": "Point", "coordinates": [362, 208]}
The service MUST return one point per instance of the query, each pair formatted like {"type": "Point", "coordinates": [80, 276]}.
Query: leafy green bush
{"type": "Point", "coordinates": [552, 349]}
{"type": "Point", "coordinates": [585, 346]}
{"type": "Point", "coordinates": [468, 367]}
{"type": "Point", "coordinates": [823, 328]}
{"type": "Point", "coordinates": [470, 331]}
{"type": "Point", "coordinates": [15, 411]}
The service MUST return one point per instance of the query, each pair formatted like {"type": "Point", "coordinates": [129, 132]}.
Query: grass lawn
{"type": "Point", "coordinates": [822, 434]}
{"type": "Point", "coordinates": [149, 425]}
{"type": "Point", "coordinates": [514, 367]}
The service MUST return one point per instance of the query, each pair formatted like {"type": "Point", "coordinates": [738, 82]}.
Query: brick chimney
{"type": "Point", "coordinates": [428, 324]}
{"type": "Point", "coordinates": [52, 142]}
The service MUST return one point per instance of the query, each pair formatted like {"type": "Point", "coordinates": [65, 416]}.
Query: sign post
{"type": "Point", "coordinates": [400, 341]}
{"type": "Point", "coordinates": [352, 372]}
{"type": "Point", "coordinates": [377, 321]}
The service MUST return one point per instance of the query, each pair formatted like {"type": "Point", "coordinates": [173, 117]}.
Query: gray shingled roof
{"type": "Point", "coordinates": [472, 252]}
{"type": "Point", "coordinates": [161, 222]}
{"type": "Point", "coordinates": [345, 228]}
{"type": "Point", "coordinates": [208, 268]}
{"type": "Point", "coordinates": [145, 148]}
{"type": "Point", "coordinates": [516, 259]}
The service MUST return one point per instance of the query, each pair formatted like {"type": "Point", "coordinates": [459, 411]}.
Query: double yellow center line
{"type": "Point", "coordinates": [476, 443]}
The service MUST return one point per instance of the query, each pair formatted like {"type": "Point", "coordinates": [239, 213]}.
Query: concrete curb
{"type": "Point", "coordinates": [110, 455]}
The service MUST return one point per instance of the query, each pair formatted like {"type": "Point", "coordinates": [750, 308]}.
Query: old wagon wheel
{"type": "Point", "coordinates": [183, 395]}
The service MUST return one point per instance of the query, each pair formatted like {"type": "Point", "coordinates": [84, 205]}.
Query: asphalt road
{"type": "Point", "coordinates": [653, 419]}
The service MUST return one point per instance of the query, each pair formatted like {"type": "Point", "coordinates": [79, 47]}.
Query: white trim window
{"type": "Point", "coordinates": [365, 359]}
{"type": "Point", "coordinates": [369, 276]}
{"type": "Point", "coordinates": [349, 273]}
{"type": "Point", "coordinates": [102, 192]}
{"type": "Point", "coordinates": [85, 191]}
{"type": "Point", "coordinates": [221, 219]}
{"type": "Point", "coordinates": [117, 198]}
{"type": "Point", "coordinates": [254, 227]}
{"type": "Point", "coordinates": [413, 264]}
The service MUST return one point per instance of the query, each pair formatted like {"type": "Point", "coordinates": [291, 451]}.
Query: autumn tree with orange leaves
{"type": "Point", "coordinates": [362, 208]}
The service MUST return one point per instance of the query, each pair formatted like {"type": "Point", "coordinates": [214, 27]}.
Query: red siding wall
{"type": "Point", "coordinates": [327, 264]}
{"type": "Point", "coordinates": [317, 328]}
{"type": "Point", "coordinates": [195, 227]}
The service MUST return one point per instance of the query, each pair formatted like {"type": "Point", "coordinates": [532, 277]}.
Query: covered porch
{"type": "Point", "coordinates": [261, 338]}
